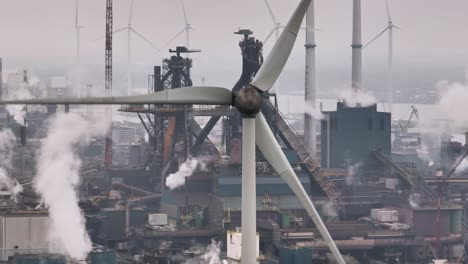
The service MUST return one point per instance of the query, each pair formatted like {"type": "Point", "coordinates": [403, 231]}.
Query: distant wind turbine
{"type": "Point", "coordinates": [130, 31]}
{"type": "Point", "coordinates": [186, 29]}
{"type": "Point", "coordinates": [277, 25]}
{"type": "Point", "coordinates": [389, 28]}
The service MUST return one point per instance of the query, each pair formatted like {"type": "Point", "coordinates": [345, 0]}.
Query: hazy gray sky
{"type": "Point", "coordinates": [433, 31]}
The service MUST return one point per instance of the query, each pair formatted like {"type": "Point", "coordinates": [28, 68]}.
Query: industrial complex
{"type": "Point", "coordinates": [169, 182]}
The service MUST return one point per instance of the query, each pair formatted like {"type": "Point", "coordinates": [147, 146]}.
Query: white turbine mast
{"type": "Point", "coordinates": [186, 29]}
{"type": "Point", "coordinates": [130, 31]}
{"type": "Point", "coordinates": [389, 28]}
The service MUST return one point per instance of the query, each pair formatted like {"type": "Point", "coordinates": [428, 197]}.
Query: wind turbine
{"type": "Point", "coordinates": [186, 29]}
{"type": "Point", "coordinates": [389, 28]}
{"type": "Point", "coordinates": [131, 30]}
{"type": "Point", "coordinates": [277, 25]}
{"type": "Point", "coordinates": [255, 130]}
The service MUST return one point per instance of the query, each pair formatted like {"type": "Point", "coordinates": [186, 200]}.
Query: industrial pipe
{"type": "Point", "coordinates": [132, 203]}
{"type": "Point", "coordinates": [367, 244]}
{"type": "Point", "coordinates": [128, 188]}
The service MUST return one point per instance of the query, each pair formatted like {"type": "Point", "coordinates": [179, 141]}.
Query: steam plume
{"type": "Point", "coordinates": [7, 141]}
{"type": "Point", "coordinates": [57, 180]}
{"type": "Point", "coordinates": [186, 170]}
{"type": "Point", "coordinates": [357, 98]}
{"type": "Point", "coordinates": [19, 111]}
{"type": "Point", "coordinates": [212, 253]}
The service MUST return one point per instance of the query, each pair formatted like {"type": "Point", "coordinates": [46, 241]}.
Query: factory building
{"type": "Point", "coordinates": [350, 135]}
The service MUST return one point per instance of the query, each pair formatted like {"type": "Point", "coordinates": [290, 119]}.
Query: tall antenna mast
{"type": "Point", "coordinates": [108, 83]}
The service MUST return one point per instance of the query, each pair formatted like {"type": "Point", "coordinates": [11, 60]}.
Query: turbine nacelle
{"type": "Point", "coordinates": [248, 101]}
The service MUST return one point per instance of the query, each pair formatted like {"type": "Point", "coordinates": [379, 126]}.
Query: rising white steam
{"type": "Point", "coordinates": [329, 210]}
{"type": "Point", "coordinates": [352, 173]}
{"type": "Point", "coordinates": [176, 180]}
{"type": "Point", "coordinates": [18, 111]}
{"type": "Point", "coordinates": [7, 141]}
{"type": "Point", "coordinates": [312, 111]}
{"type": "Point", "coordinates": [452, 104]}
{"type": "Point", "coordinates": [357, 98]}
{"type": "Point", "coordinates": [9, 184]}
{"type": "Point", "coordinates": [414, 200]}
{"type": "Point", "coordinates": [57, 181]}
{"type": "Point", "coordinates": [212, 253]}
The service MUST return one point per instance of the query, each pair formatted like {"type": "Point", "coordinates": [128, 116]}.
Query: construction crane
{"type": "Point", "coordinates": [404, 124]}
{"type": "Point", "coordinates": [108, 82]}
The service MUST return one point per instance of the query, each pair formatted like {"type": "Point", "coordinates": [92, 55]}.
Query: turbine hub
{"type": "Point", "coordinates": [248, 101]}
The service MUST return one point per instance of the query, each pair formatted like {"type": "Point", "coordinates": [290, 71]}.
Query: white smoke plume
{"type": "Point", "coordinates": [176, 180]}
{"type": "Point", "coordinates": [212, 253]}
{"type": "Point", "coordinates": [452, 104]}
{"type": "Point", "coordinates": [414, 200]}
{"type": "Point", "coordinates": [329, 210]}
{"type": "Point", "coordinates": [9, 184]}
{"type": "Point", "coordinates": [7, 141]}
{"type": "Point", "coordinates": [18, 111]}
{"type": "Point", "coordinates": [314, 112]}
{"type": "Point", "coordinates": [57, 181]}
{"type": "Point", "coordinates": [352, 173]}
{"type": "Point", "coordinates": [357, 98]}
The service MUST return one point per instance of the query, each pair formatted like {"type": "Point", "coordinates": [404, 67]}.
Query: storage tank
{"type": "Point", "coordinates": [103, 256]}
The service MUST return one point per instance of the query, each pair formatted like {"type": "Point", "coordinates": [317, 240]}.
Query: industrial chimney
{"type": "Point", "coordinates": [309, 124]}
{"type": "Point", "coordinates": [1, 78]}
{"type": "Point", "coordinates": [356, 83]}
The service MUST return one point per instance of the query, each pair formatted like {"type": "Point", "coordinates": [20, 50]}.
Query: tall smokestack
{"type": "Point", "coordinates": [1, 78]}
{"type": "Point", "coordinates": [356, 83]}
{"type": "Point", "coordinates": [309, 124]}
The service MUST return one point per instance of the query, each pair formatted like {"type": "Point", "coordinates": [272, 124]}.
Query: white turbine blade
{"type": "Point", "coordinates": [271, 12]}
{"type": "Point", "coordinates": [189, 95]}
{"type": "Point", "coordinates": [143, 38]}
{"type": "Point", "coordinates": [393, 26]}
{"type": "Point", "coordinates": [388, 11]}
{"type": "Point", "coordinates": [185, 12]}
{"type": "Point", "coordinates": [130, 17]}
{"type": "Point", "coordinates": [269, 35]}
{"type": "Point", "coordinates": [376, 37]}
{"type": "Point", "coordinates": [76, 15]}
{"type": "Point", "coordinates": [115, 32]}
{"type": "Point", "coordinates": [175, 37]}
{"type": "Point", "coordinates": [273, 153]}
{"type": "Point", "coordinates": [274, 64]}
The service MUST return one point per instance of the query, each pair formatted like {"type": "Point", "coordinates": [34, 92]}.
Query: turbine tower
{"type": "Point", "coordinates": [255, 130]}
{"type": "Point", "coordinates": [389, 28]}
{"type": "Point", "coordinates": [78, 28]}
{"type": "Point", "coordinates": [186, 29]}
{"type": "Point", "coordinates": [130, 31]}
{"type": "Point", "coordinates": [309, 124]}
{"type": "Point", "coordinates": [356, 81]}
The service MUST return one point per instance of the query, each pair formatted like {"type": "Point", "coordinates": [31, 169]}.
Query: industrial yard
{"type": "Point", "coordinates": [182, 172]}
